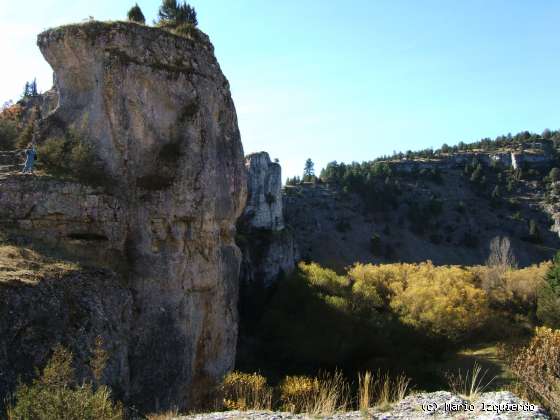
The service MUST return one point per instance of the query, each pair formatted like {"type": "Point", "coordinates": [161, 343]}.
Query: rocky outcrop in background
{"type": "Point", "coordinates": [268, 246]}
{"type": "Point", "coordinates": [264, 200]}
{"type": "Point", "coordinates": [157, 111]}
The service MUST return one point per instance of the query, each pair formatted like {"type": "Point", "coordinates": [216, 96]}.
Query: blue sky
{"type": "Point", "coordinates": [348, 80]}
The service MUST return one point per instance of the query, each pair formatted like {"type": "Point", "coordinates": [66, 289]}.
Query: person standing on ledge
{"type": "Point", "coordinates": [30, 155]}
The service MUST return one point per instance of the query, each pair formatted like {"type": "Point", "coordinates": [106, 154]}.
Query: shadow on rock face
{"type": "Point", "coordinates": [158, 362]}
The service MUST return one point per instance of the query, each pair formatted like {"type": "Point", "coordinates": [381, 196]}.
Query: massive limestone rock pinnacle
{"type": "Point", "coordinates": [264, 201]}
{"type": "Point", "coordinates": [158, 112]}
{"type": "Point", "coordinates": [268, 246]}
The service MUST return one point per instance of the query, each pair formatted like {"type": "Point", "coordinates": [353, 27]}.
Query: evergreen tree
{"type": "Point", "coordinates": [167, 11]}
{"type": "Point", "coordinates": [293, 181]}
{"type": "Point", "coordinates": [30, 89]}
{"type": "Point", "coordinates": [187, 14]}
{"type": "Point", "coordinates": [33, 88]}
{"type": "Point", "coordinates": [135, 14]}
{"type": "Point", "coordinates": [548, 297]}
{"type": "Point", "coordinates": [174, 14]}
{"type": "Point", "coordinates": [25, 90]}
{"type": "Point", "coordinates": [309, 170]}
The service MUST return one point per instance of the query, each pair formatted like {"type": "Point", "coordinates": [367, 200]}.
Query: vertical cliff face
{"type": "Point", "coordinates": [158, 112]}
{"type": "Point", "coordinates": [268, 246]}
{"type": "Point", "coordinates": [264, 200]}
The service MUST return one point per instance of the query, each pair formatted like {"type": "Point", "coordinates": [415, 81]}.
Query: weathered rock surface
{"type": "Point", "coordinates": [158, 112]}
{"type": "Point", "coordinates": [82, 219]}
{"type": "Point", "coordinates": [334, 228]}
{"type": "Point", "coordinates": [72, 308]}
{"type": "Point", "coordinates": [264, 199]}
{"type": "Point", "coordinates": [440, 405]}
{"type": "Point", "coordinates": [268, 246]}
{"type": "Point", "coordinates": [528, 155]}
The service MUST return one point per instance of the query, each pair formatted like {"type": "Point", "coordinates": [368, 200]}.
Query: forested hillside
{"type": "Point", "coordinates": [445, 205]}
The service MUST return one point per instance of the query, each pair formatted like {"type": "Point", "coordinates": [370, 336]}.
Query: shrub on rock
{"type": "Point", "coordinates": [55, 395]}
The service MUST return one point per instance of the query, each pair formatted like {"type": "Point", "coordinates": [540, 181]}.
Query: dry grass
{"type": "Point", "coordinates": [365, 391]}
{"type": "Point", "coordinates": [168, 415]}
{"type": "Point", "coordinates": [296, 392]}
{"type": "Point", "coordinates": [321, 396]}
{"type": "Point", "coordinates": [324, 395]}
{"type": "Point", "coordinates": [469, 384]}
{"type": "Point", "coordinates": [380, 390]}
{"type": "Point", "coordinates": [27, 265]}
{"type": "Point", "coordinates": [246, 391]}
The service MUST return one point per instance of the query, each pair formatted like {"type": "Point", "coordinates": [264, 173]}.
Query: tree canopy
{"type": "Point", "coordinates": [174, 14]}
{"type": "Point", "coordinates": [135, 14]}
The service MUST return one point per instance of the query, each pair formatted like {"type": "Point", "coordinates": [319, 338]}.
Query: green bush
{"type": "Point", "coordinates": [71, 155]}
{"type": "Point", "coordinates": [309, 323]}
{"type": "Point", "coordinates": [548, 296]}
{"type": "Point", "coordinates": [25, 136]}
{"type": "Point", "coordinates": [51, 154]}
{"type": "Point", "coordinates": [187, 30]}
{"type": "Point", "coordinates": [8, 134]}
{"type": "Point", "coordinates": [173, 14]}
{"type": "Point", "coordinates": [54, 395]}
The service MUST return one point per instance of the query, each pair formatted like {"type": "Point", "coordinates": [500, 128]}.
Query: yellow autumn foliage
{"type": "Point", "coordinates": [380, 283]}
{"type": "Point", "coordinates": [324, 278]}
{"type": "Point", "coordinates": [246, 391]}
{"type": "Point", "coordinates": [440, 300]}
{"type": "Point", "coordinates": [537, 366]}
{"type": "Point", "coordinates": [512, 285]}
{"type": "Point", "coordinates": [297, 391]}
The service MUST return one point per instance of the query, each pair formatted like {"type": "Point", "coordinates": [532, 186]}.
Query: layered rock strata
{"type": "Point", "coordinates": [157, 111]}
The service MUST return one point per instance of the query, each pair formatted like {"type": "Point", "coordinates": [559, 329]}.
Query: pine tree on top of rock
{"type": "Point", "coordinates": [30, 89]}
{"type": "Point", "coordinates": [135, 14]}
{"type": "Point", "coordinates": [174, 14]}
{"type": "Point", "coordinates": [309, 171]}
